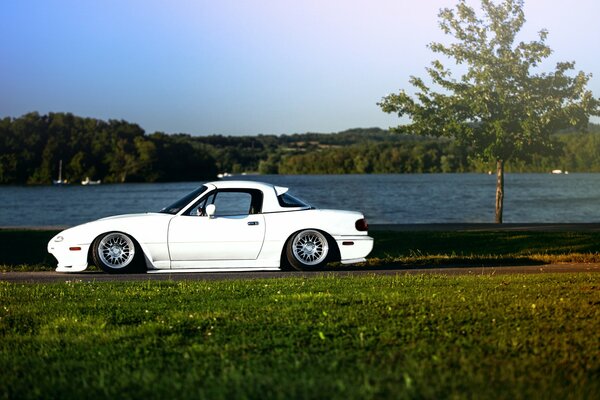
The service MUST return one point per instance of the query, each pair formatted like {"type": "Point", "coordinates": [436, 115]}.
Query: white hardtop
{"type": "Point", "coordinates": [270, 202]}
{"type": "Point", "coordinates": [247, 185]}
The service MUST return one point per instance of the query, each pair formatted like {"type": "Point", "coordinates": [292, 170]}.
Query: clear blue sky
{"type": "Point", "coordinates": [241, 67]}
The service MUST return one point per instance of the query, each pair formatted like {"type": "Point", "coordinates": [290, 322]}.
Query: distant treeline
{"type": "Point", "coordinates": [32, 146]}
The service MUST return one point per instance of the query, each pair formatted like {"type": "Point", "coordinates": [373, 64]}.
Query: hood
{"type": "Point", "coordinates": [122, 216]}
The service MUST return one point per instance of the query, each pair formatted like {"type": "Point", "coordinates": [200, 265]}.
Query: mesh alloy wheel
{"type": "Point", "coordinates": [115, 252]}
{"type": "Point", "coordinates": [308, 249]}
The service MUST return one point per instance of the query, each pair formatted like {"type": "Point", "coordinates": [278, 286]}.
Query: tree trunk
{"type": "Point", "coordinates": [499, 190]}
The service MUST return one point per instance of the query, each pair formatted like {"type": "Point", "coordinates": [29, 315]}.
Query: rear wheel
{"type": "Point", "coordinates": [115, 252]}
{"type": "Point", "coordinates": [308, 249]}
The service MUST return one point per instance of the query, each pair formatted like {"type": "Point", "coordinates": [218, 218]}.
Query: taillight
{"type": "Point", "coordinates": [362, 225]}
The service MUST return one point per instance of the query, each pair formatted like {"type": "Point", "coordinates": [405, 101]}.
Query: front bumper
{"type": "Point", "coordinates": [71, 258]}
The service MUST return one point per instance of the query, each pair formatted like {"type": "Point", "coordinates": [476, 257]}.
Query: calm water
{"type": "Point", "coordinates": [405, 198]}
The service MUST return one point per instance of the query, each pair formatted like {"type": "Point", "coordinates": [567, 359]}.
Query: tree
{"type": "Point", "coordinates": [502, 107]}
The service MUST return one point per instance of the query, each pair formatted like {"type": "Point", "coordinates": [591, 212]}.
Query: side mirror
{"type": "Point", "coordinates": [211, 209]}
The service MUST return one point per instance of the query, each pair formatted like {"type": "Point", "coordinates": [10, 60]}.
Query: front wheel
{"type": "Point", "coordinates": [307, 249]}
{"type": "Point", "coordinates": [115, 252]}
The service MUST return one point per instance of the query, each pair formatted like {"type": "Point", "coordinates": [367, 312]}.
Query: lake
{"type": "Point", "coordinates": [384, 199]}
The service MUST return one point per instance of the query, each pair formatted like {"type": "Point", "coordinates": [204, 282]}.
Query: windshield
{"type": "Point", "coordinates": [184, 201]}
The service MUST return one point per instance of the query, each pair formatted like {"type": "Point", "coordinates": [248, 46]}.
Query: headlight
{"type": "Point", "coordinates": [58, 239]}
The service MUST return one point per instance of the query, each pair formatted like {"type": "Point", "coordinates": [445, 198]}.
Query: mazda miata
{"type": "Point", "coordinates": [220, 226]}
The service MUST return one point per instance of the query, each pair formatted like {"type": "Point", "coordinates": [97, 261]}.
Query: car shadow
{"type": "Point", "coordinates": [370, 265]}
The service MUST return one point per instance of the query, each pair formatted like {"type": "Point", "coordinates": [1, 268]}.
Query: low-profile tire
{"type": "Point", "coordinates": [308, 249]}
{"type": "Point", "coordinates": [116, 253]}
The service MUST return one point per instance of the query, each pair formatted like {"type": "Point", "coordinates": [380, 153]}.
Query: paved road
{"type": "Point", "coordinates": [50, 277]}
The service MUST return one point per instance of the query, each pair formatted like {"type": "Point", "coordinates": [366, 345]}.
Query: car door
{"type": "Point", "coordinates": [235, 232]}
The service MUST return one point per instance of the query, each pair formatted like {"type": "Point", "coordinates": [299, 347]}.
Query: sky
{"type": "Point", "coordinates": [243, 67]}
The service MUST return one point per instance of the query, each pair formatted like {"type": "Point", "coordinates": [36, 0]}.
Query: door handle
{"type": "Point", "coordinates": [253, 223]}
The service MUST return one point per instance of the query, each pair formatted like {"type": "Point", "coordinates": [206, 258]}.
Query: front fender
{"type": "Point", "coordinates": [71, 247]}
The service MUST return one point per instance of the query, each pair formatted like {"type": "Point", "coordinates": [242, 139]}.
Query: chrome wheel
{"type": "Point", "coordinates": [310, 247]}
{"type": "Point", "coordinates": [116, 250]}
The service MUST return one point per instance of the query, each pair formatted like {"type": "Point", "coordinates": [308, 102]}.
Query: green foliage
{"type": "Point", "coordinates": [402, 157]}
{"type": "Point", "coordinates": [114, 151]}
{"type": "Point", "coordinates": [117, 151]}
{"type": "Point", "coordinates": [400, 337]}
{"type": "Point", "coordinates": [499, 107]}
{"type": "Point", "coordinates": [578, 152]}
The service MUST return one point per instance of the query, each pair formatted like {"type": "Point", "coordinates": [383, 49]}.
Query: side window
{"type": "Point", "coordinates": [233, 203]}
{"type": "Point", "coordinates": [230, 202]}
{"type": "Point", "coordinates": [287, 200]}
{"type": "Point", "coordinates": [200, 208]}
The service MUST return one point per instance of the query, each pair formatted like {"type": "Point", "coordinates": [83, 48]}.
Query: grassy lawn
{"type": "Point", "coordinates": [508, 337]}
{"type": "Point", "coordinates": [486, 247]}
{"type": "Point", "coordinates": [25, 250]}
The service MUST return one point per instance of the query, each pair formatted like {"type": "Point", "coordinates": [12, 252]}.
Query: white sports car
{"type": "Point", "coordinates": [221, 226]}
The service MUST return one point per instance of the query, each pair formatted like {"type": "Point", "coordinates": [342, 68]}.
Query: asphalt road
{"type": "Point", "coordinates": [54, 277]}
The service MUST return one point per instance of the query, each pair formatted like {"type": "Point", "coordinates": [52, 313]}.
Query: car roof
{"type": "Point", "coordinates": [265, 187]}
{"type": "Point", "coordinates": [241, 185]}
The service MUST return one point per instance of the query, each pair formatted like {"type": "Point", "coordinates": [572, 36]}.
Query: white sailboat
{"type": "Point", "coordinates": [60, 180]}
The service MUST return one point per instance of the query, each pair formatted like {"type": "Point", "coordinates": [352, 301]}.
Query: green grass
{"type": "Point", "coordinates": [485, 248]}
{"type": "Point", "coordinates": [23, 250]}
{"type": "Point", "coordinates": [389, 243]}
{"type": "Point", "coordinates": [508, 337]}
